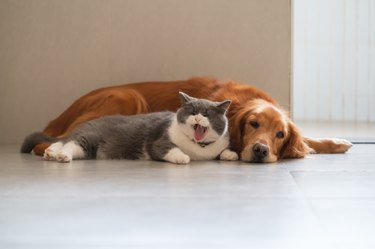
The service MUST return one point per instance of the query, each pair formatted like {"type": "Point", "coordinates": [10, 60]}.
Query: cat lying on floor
{"type": "Point", "coordinates": [197, 131]}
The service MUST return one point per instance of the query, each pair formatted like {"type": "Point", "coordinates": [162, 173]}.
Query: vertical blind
{"type": "Point", "coordinates": [334, 60]}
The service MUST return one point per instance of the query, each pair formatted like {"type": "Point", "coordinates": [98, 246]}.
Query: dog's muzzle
{"type": "Point", "coordinates": [260, 152]}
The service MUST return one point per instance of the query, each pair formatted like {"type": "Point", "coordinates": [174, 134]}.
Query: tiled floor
{"type": "Point", "coordinates": [323, 201]}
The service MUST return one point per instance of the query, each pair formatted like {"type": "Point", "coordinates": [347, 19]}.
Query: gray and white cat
{"type": "Point", "coordinates": [198, 131]}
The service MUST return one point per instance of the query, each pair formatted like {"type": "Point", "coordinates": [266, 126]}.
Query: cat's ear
{"type": "Point", "coordinates": [186, 98]}
{"type": "Point", "coordinates": [224, 105]}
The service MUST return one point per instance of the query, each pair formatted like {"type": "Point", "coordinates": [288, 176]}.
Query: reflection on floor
{"type": "Point", "coordinates": [323, 201]}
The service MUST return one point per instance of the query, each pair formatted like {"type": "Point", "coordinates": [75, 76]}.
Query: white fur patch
{"type": "Point", "coordinates": [51, 152]}
{"type": "Point", "coordinates": [228, 155]}
{"type": "Point", "coordinates": [64, 157]}
{"type": "Point", "coordinates": [175, 155]}
{"type": "Point", "coordinates": [64, 152]}
{"type": "Point", "coordinates": [70, 151]}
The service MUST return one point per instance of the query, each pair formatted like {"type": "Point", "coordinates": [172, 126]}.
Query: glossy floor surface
{"type": "Point", "coordinates": [324, 201]}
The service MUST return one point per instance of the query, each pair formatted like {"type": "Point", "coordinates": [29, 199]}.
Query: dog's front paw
{"type": "Point", "coordinates": [342, 145]}
{"type": "Point", "coordinates": [228, 155]}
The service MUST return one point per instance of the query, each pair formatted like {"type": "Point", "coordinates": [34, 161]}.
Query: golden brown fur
{"type": "Point", "coordinates": [248, 104]}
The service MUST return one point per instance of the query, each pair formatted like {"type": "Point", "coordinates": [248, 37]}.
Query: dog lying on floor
{"type": "Point", "coordinates": [260, 130]}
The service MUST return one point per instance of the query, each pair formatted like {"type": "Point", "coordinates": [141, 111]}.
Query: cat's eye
{"type": "Point", "coordinates": [193, 112]}
{"type": "Point", "coordinates": [254, 124]}
{"type": "Point", "coordinates": [280, 134]}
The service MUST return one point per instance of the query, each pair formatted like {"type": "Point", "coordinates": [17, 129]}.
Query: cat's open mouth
{"type": "Point", "coordinates": [199, 132]}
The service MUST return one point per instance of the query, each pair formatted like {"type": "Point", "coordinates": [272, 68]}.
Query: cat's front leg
{"type": "Point", "coordinates": [228, 155]}
{"type": "Point", "coordinates": [175, 155]}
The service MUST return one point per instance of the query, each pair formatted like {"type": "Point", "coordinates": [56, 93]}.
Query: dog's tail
{"type": "Point", "coordinates": [34, 139]}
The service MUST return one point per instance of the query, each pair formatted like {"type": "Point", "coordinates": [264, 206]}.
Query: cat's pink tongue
{"type": "Point", "coordinates": [199, 132]}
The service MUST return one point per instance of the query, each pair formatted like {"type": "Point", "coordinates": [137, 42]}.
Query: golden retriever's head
{"type": "Point", "coordinates": [263, 133]}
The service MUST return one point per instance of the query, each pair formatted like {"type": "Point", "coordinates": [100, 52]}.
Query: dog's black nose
{"type": "Point", "coordinates": [260, 150]}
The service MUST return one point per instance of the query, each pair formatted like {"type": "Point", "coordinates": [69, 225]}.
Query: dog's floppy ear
{"type": "Point", "coordinates": [237, 124]}
{"type": "Point", "coordinates": [294, 147]}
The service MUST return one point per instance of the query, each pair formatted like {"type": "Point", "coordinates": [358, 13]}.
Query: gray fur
{"type": "Point", "coordinates": [127, 137]}
{"type": "Point", "coordinates": [34, 139]}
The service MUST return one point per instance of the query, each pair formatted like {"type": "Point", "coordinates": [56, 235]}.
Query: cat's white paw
{"type": "Point", "coordinates": [175, 155]}
{"type": "Point", "coordinates": [181, 159]}
{"type": "Point", "coordinates": [49, 154]}
{"type": "Point", "coordinates": [228, 155]}
{"type": "Point", "coordinates": [63, 158]}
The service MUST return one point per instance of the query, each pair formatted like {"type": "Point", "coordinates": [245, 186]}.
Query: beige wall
{"type": "Point", "coordinates": [53, 51]}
